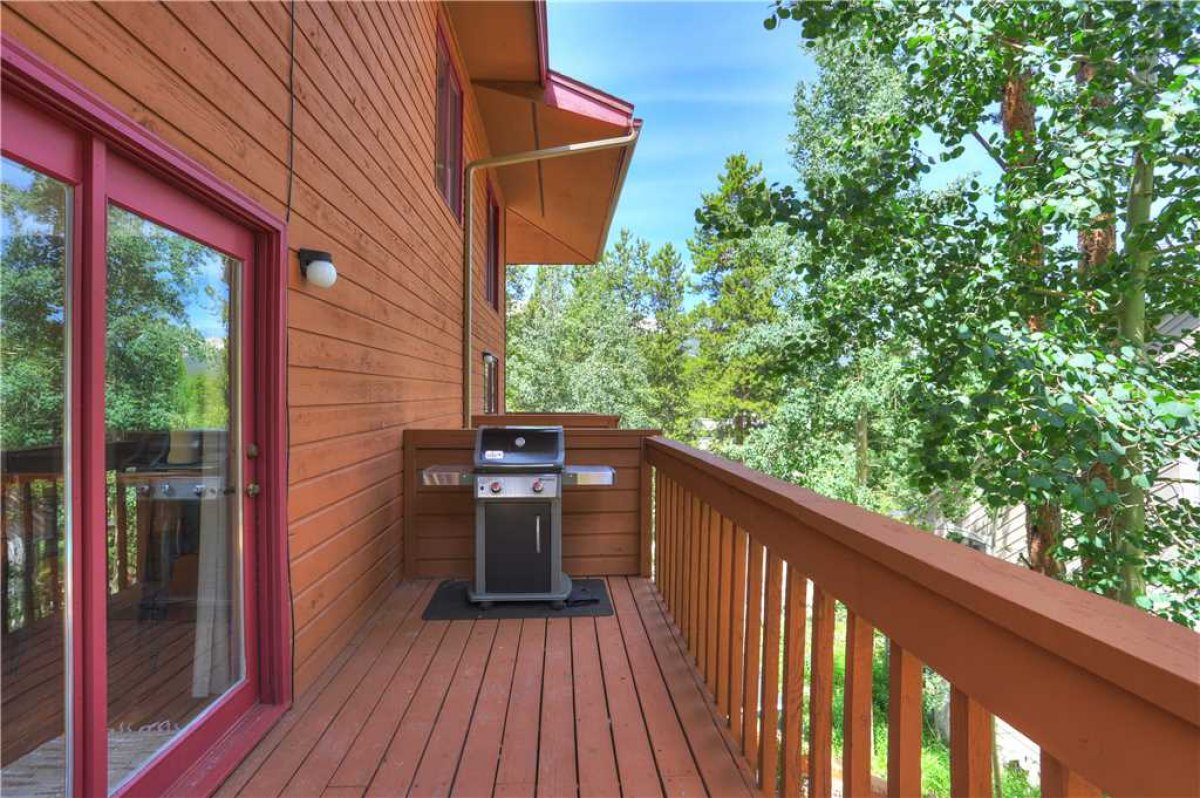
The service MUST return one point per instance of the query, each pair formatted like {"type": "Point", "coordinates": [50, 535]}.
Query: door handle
{"type": "Point", "coordinates": [538, 533]}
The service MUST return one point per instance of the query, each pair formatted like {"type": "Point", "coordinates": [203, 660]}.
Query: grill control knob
{"type": "Point", "coordinates": [495, 486]}
{"type": "Point", "coordinates": [537, 486]}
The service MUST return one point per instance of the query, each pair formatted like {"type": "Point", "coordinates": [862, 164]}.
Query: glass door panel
{"type": "Point", "coordinates": [35, 236]}
{"type": "Point", "coordinates": [175, 556]}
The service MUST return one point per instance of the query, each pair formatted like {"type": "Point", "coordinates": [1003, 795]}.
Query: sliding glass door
{"type": "Point", "coordinates": [98, 250]}
{"type": "Point", "coordinates": [175, 643]}
{"type": "Point", "coordinates": [35, 256]}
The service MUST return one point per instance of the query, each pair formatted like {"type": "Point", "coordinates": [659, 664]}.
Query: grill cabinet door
{"type": "Point", "coordinates": [517, 547]}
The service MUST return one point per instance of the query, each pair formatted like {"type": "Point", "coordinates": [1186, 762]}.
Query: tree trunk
{"type": "Point", "coordinates": [1097, 243]}
{"type": "Point", "coordinates": [862, 431]}
{"type": "Point", "coordinates": [1043, 522]}
{"type": "Point", "coordinates": [1129, 522]}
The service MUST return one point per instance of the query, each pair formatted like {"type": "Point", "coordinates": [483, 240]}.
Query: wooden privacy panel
{"type": "Point", "coordinates": [605, 529]}
{"type": "Point", "coordinates": [567, 420]}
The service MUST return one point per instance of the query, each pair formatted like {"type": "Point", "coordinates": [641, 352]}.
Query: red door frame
{"type": "Point", "coordinates": [109, 144]}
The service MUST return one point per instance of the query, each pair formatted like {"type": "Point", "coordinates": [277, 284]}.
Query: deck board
{"type": "Point", "coordinates": [566, 707]}
{"type": "Point", "coordinates": [598, 776]}
{"type": "Point", "coordinates": [556, 750]}
{"type": "Point", "coordinates": [482, 747]}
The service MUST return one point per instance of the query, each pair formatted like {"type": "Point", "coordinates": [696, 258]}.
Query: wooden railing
{"type": "Point", "coordinates": [30, 504]}
{"type": "Point", "coordinates": [751, 569]}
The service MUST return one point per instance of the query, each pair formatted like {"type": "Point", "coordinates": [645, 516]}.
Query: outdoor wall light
{"type": "Point", "coordinates": [317, 267]}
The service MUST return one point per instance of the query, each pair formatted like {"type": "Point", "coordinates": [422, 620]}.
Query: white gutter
{"type": "Point", "coordinates": [468, 360]}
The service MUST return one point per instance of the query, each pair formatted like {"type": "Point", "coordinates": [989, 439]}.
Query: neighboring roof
{"type": "Point", "coordinates": [559, 210]}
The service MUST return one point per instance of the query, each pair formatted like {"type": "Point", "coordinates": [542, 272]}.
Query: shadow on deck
{"type": "Point", "coordinates": [581, 706]}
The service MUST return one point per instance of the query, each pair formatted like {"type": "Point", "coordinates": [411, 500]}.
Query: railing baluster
{"type": "Point", "coordinates": [659, 532]}
{"type": "Point", "coordinates": [693, 573]}
{"type": "Point", "coordinates": [772, 640]}
{"type": "Point", "coordinates": [676, 554]}
{"type": "Point", "coordinates": [668, 526]}
{"type": "Point", "coordinates": [856, 704]}
{"type": "Point", "coordinates": [30, 573]}
{"type": "Point", "coordinates": [673, 550]}
{"type": "Point", "coordinates": [737, 643]}
{"type": "Point", "coordinates": [689, 583]}
{"type": "Point", "coordinates": [714, 586]}
{"type": "Point", "coordinates": [753, 653]}
{"type": "Point", "coordinates": [724, 616]}
{"type": "Point", "coordinates": [697, 562]}
{"type": "Point", "coordinates": [662, 531]}
{"type": "Point", "coordinates": [820, 707]}
{"type": "Point", "coordinates": [4, 509]}
{"type": "Point", "coordinates": [55, 538]}
{"type": "Point", "coordinates": [793, 684]}
{"type": "Point", "coordinates": [970, 747]}
{"type": "Point", "coordinates": [1059, 781]}
{"type": "Point", "coordinates": [702, 590]}
{"type": "Point", "coordinates": [905, 682]}
{"type": "Point", "coordinates": [122, 536]}
{"type": "Point", "coordinates": [682, 577]}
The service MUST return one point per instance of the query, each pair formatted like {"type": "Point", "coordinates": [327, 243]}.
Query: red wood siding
{"type": "Point", "coordinates": [378, 352]}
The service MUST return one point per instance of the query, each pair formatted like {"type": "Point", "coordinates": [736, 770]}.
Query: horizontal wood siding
{"type": "Point", "coordinates": [381, 350]}
{"type": "Point", "coordinates": [602, 526]}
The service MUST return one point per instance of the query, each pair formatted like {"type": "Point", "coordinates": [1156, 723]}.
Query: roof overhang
{"type": "Point", "coordinates": [559, 210]}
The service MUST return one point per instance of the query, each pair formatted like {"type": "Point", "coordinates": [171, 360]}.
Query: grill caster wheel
{"type": "Point", "coordinates": [485, 605]}
{"type": "Point", "coordinates": [558, 605]}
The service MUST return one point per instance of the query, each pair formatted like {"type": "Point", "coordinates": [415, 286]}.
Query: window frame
{"type": "Point", "coordinates": [491, 384]}
{"type": "Point", "coordinates": [449, 113]}
{"type": "Point", "coordinates": [492, 265]}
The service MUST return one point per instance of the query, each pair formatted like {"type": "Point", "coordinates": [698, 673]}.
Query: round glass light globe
{"type": "Point", "coordinates": [321, 273]}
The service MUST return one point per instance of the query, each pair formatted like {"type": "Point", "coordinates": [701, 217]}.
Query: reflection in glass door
{"type": "Point", "coordinates": [175, 631]}
{"type": "Point", "coordinates": [34, 253]}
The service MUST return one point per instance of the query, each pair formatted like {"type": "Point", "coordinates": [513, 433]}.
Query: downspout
{"type": "Point", "coordinates": [560, 151]}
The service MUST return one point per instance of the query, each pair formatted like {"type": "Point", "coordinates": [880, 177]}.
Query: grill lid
{"type": "Point", "coordinates": [507, 448]}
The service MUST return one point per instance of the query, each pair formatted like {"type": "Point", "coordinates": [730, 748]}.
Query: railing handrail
{"type": "Point", "coordinates": [1099, 684]}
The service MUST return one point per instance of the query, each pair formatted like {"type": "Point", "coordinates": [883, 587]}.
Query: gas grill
{"type": "Point", "coordinates": [517, 481]}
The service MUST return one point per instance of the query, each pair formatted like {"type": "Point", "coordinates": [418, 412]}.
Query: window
{"type": "Point", "coordinates": [491, 279]}
{"type": "Point", "coordinates": [447, 156]}
{"type": "Point", "coordinates": [491, 384]}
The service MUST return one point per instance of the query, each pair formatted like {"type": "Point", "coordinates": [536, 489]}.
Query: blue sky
{"type": "Point", "coordinates": [708, 80]}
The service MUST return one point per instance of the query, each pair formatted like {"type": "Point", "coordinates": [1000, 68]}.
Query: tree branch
{"type": "Point", "coordinates": [990, 149]}
{"type": "Point", "coordinates": [1077, 58]}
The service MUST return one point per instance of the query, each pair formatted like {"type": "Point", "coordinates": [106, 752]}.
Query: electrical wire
{"type": "Point", "coordinates": [287, 430]}
{"type": "Point", "coordinates": [291, 153]}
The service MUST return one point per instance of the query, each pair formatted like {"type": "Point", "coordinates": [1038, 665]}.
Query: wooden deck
{"type": "Point", "coordinates": [561, 707]}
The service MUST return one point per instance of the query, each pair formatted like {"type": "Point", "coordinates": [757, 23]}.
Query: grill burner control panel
{"type": "Point", "coordinates": [516, 486]}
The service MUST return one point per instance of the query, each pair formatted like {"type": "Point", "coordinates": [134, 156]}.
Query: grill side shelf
{"type": "Point", "coordinates": [447, 475]}
{"type": "Point", "coordinates": [589, 475]}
